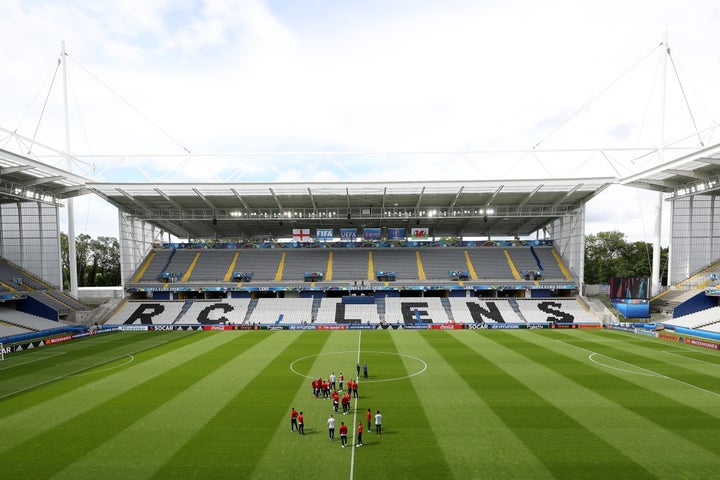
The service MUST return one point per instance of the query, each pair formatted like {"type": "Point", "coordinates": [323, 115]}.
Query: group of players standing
{"type": "Point", "coordinates": [326, 388]}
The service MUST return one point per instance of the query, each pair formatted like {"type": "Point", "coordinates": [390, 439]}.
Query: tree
{"type": "Point", "coordinates": [98, 261]}
{"type": "Point", "coordinates": [608, 254]}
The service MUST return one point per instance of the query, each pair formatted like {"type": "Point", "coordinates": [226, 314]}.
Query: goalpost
{"type": "Point", "coordinates": [2, 352]}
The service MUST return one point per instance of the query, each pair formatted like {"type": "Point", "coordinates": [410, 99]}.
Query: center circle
{"type": "Point", "coordinates": [422, 365]}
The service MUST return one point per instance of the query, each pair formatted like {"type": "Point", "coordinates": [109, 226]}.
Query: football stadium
{"type": "Point", "coordinates": [450, 316]}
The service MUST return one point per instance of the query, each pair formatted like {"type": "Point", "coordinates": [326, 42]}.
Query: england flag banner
{"type": "Point", "coordinates": [348, 234]}
{"type": "Point", "coordinates": [324, 234]}
{"type": "Point", "coordinates": [301, 235]}
{"type": "Point", "coordinates": [419, 233]}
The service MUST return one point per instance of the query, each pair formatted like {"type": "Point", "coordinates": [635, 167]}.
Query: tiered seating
{"type": "Point", "coordinates": [490, 263]}
{"type": "Point", "coordinates": [554, 310]}
{"type": "Point", "coordinates": [282, 310]}
{"type": "Point", "coordinates": [231, 310]}
{"type": "Point", "coordinates": [489, 311]}
{"type": "Point", "coordinates": [550, 266]}
{"type": "Point", "coordinates": [697, 319]}
{"type": "Point", "coordinates": [363, 312]}
{"type": "Point", "coordinates": [523, 259]}
{"type": "Point", "coordinates": [301, 260]}
{"type": "Point", "coordinates": [713, 327]}
{"type": "Point", "coordinates": [437, 262]}
{"type": "Point", "coordinates": [47, 299]}
{"type": "Point", "coordinates": [66, 299]}
{"type": "Point", "coordinates": [156, 266]}
{"type": "Point", "coordinates": [152, 312]}
{"type": "Point", "coordinates": [8, 274]}
{"type": "Point", "coordinates": [401, 261]}
{"type": "Point", "coordinates": [25, 320]}
{"type": "Point", "coordinates": [350, 265]}
{"type": "Point", "coordinates": [181, 261]}
{"type": "Point", "coordinates": [7, 330]}
{"type": "Point", "coordinates": [212, 265]}
{"type": "Point", "coordinates": [430, 309]}
{"type": "Point", "coordinates": [262, 262]}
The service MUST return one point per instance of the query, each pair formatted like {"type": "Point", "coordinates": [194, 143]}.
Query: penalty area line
{"type": "Point", "coordinates": [75, 372]}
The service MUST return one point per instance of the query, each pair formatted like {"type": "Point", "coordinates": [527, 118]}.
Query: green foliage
{"type": "Point", "coordinates": [608, 254]}
{"type": "Point", "coordinates": [98, 260]}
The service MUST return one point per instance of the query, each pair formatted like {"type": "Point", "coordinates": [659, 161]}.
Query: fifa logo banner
{"type": "Point", "coordinates": [324, 234]}
{"type": "Point", "coordinates": [348, 234]}
{"type": "Point", "coordinates": [301, 235]}
{"type": "Point", "coordinates": [419, 233]}
{"type": "Point", "coordinates": [371, 233]}
{"type": "Point", "coordinates": [396, 233]}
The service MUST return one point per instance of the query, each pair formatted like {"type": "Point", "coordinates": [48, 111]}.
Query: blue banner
{"type": "Point", "coordinates": [396, 233]}
{"type": "Point", "coordinates": [348, 234]}
{"type": "Point", "coordinates": [371, 233]}
{"type": "Point", "coordinates": [324, 234]}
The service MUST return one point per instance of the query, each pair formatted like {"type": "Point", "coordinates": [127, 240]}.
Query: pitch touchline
{"type": "Point", "coordinates": [691, 358]}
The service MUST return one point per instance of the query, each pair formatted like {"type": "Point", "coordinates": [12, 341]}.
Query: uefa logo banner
{"type": "Point", "coordinates": [348, 234]}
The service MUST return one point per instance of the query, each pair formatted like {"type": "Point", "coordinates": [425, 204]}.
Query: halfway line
{"type": "Point", "coordinates": [353, 427]}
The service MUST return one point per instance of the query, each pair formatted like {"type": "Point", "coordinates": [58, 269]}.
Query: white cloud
{"type": "Point", "coordinates": [250, 75]}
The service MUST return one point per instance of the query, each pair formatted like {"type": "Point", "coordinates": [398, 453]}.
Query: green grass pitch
{"type": "Point", "coordinates": [468, 404]}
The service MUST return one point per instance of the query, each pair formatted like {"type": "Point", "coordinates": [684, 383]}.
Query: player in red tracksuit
{"type": "Point", "coordinates": [336, 400]}
{"type": "Point", "coordinates": [369, 420]}
{"type": "Point", "coordinates": [293, 419]}
{"type": "Point", "coordinates": [343, 434]}
{"type": "Point", "coordinates": [346, 403]}
{"type": "Point", "coordinates": [301, 424]}
{"type": "Point", "coordinates": [359, 440]}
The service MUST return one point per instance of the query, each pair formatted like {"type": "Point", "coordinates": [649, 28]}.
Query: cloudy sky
{"type": "Point", "coordinates": [415, 89]}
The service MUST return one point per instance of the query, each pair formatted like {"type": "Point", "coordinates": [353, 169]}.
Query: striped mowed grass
{"type": "Point", "coordinates": [456, 404]}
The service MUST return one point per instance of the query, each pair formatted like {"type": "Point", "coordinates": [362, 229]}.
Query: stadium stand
{"type": "Point", "coordinates": [553, 310]}
{"type": "Point", "coordinates": [548, 264]}
{"type": "Point", "coordinates": [474, 310]}
{"type": "Point", "coordinates": [350, 265]}
{"type": "Point", "coordinates": [212, 265]}
{"type": "Point", "coordinates": [401, 261]}
{"type": "Point", "coordinates": [490, 263]}
{"type": "Point", "coordinates": [274, 311]}
{"type": "Point", "coordinates": [438, 262]}
{"type": "Point", "coordinates": [26, 320]}
{"type": "Point", "coordinates": [231, 311]}
{"type": "Point", "coordinates": [699, 320]}
{"type": "Point", "coordinates": [333, 310]}
{"type": "Point", "coordinates": [415, 310]}
{"type": "Point", "coordinates": [147, 312]}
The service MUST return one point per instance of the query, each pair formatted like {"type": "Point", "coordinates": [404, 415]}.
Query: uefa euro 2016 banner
{"type": "Point", "coordinates": [396, 233]}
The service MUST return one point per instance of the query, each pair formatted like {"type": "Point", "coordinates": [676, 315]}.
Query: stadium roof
{"type": "Point", "coordinates": [496, 208]}
{"type": "Point", "coordinates": [25, 179]}
{"type": "Point", "coordinates": [690, 174]}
